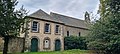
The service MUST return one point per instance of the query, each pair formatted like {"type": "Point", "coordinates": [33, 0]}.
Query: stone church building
{"type": "Point", "coordinates": [47, 31]}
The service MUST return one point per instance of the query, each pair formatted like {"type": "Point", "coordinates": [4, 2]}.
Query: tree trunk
{"type": "Point", "coordinates": [23, 46]}
{"type": "Point", "coordinates": [5, 49]}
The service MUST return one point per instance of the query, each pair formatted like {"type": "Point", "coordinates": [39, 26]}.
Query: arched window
{"type": "Point", "coordinates": [46, 43]}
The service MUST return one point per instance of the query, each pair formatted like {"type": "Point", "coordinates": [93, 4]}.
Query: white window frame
{"type": "Point", "coordinates": [49, 30]}
{"type": "Point", "coordinates": [37, 26]}
{"type": "Point", "coordinates": [59, 29]}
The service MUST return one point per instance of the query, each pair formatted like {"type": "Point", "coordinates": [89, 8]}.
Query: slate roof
{"type": "Point", "coordinates": [70, 21]}
{"type": "Point", "coordinates": [41, 14]}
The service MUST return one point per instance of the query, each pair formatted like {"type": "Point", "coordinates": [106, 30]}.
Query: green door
{"type": "Point", "coordinates": [34, 45]}
{"type": "Point", "coordinates": [57, 45]}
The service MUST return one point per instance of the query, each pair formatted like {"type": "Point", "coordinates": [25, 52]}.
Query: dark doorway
{"type": "Point", "coordinates": [34, 45]}
{"type": "Point", "coordinates": [57, 45]}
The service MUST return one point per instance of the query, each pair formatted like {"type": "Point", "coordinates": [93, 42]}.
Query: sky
{"type": "Point", "coordinates": [72, 8]}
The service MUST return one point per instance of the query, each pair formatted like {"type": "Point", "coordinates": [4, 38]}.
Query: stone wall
{"type": "Point", "coordinates": [41, 35]}
{"type": "Point", "coordinates": [15, 44]}
{"type": "Point", "coordinates": [1, 44]}
{"type": "Point", "coordinates": [75, 31]}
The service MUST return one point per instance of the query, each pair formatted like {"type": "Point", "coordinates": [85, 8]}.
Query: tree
{"type": "Point", "coordinates": [10, 21]}
{"type": "Point", "coordinates": [105, 33]}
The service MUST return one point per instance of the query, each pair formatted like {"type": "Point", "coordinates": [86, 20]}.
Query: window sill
{"type": "Point", "coordinates": [47, 33]}
{"type": "Point", "coordinates": [35, 31]}
{"type": "Point", "coordinates": [57, 34]}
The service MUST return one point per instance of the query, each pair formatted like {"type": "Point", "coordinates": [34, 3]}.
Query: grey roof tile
{"type": "Point", "coordinates": [69, 20]}
{"type": "Point", "coordinates": [41, 14]}
{"type": "Point", "coordinates": [59, 18]}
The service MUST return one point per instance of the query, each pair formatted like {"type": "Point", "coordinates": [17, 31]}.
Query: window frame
{"type": "Point", "coordinates": [37, 26]}
{"type": "Point", "coordinates": [59, 29]}
{"type": "Point", "coordinates": [49, 30]}
{"type": "Point", "coordinates": [68, 33]}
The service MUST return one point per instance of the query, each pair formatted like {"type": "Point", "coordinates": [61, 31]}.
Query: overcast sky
{"type": "Point", "coordinates": [73, 8]}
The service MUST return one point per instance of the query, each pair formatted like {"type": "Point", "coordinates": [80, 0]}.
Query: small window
{"type": "Point", "coordinates": [47, 28]}
{"type": "Point", "coordinates": [68, 33]}
{"type": "Point", "coordinates": [34, 26]}
{"type": "Point", "coordinates": [79, 34]}
{"type": "Point", "coordinates": [57, 29]}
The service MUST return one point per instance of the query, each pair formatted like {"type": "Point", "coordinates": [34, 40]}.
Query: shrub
{"type": "Point", "coordinates": [74, 42]}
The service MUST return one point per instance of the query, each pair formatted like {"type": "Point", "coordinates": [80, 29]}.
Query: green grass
{"type": "Point", "coordinates": [74, 51]}
{"type": "Point", "coordinates": [60, 52]}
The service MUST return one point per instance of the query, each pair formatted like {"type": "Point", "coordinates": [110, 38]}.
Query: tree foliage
{"type": "Point", "coordinates": [74, 42]}
{"type": "Point", "coordinates": [10, 20]}
{"type": "Point", "coordinates": [105, 33]}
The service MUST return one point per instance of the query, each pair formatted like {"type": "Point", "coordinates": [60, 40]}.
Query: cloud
{"type": "Point", "coordinates": [74, 8]}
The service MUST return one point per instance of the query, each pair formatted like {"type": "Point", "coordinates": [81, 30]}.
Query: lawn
{"type": "Point", "coordinates": [75, 51]}
{"type": "Point", "coordinates": [61, 52]}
